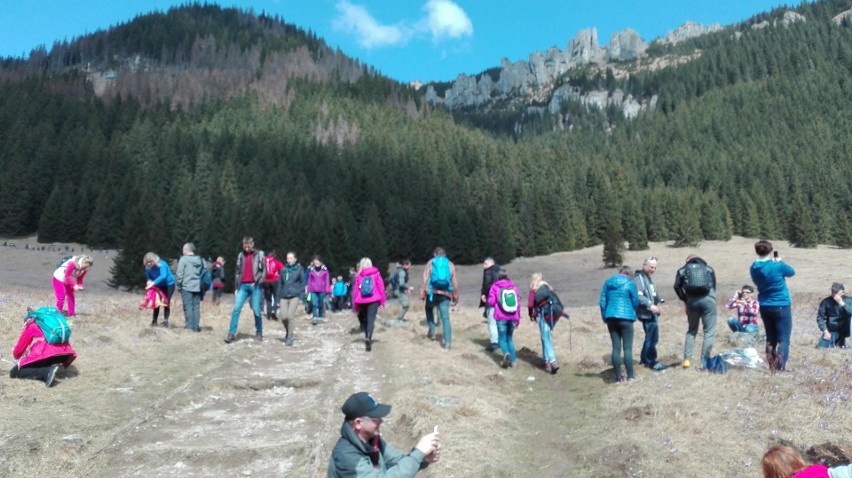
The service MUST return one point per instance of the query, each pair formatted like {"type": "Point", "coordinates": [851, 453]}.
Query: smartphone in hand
{"type": "Point", "coordinates": [775, 254]}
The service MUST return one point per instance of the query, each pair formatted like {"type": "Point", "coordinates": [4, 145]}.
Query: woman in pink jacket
{"type": "Point", "coordinates": [38, 359]}
{"type": "Point", "coordinates": [68, 278]}
{"type": "Point", "coordinates": [368, 294]}
{"type": "Point", "coordinates": [504, 298]}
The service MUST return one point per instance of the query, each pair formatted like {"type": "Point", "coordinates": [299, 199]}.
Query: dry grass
{"type": "Point", "coordinates": [151, 402]}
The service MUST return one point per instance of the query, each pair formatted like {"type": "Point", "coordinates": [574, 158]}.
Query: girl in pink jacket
{"type": "Point", "coordinates": [38, 359]}
{"type": "Point", "coordinates": [368, 294]}
{"type": "Point", "coordinates": [68, 278]}
{"type": "Point", "coordinates": [505, 298]}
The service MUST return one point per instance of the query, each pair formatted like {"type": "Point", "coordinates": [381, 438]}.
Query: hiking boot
{"type": "Point", "coordinates": [554, 368]}
{"type": "Point", "coordinates": [505, 362]}
{"type": "Point", "coordinates": [153, 323]}
{"type": "Point", "coordinates": [230, 338]}
{"type": "Point", "coordinates": [258, 336]}
{"type": "Point", "coordinates": [658, 367]}
{"type": "Point", "coordinates": [51, 375]}
{"type": "Point", "coordinates": [547, 367]}
{"type": "Point", "coordinates": [166, 324]}
{"type": "Point", "coordinates": [446, 347]}
{"type": "Point", "coordinates": [368, 344]}
{"type": "Point", "coordinates": [288, 341]}
{"type": "Point", "coordinates": [686, 363]}
{"type": "Point", "coordinates": [430, 335]}
{"type": "Point", "coordinates": [492, 348]}
{"type": "Point", "coordinates": [619, 379]}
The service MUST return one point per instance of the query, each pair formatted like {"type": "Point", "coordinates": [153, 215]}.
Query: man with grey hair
{"type": "Point", "coordinates": [489, 276]}
{"type": "Point", "coordinates": [833, 318]}
{"type": "Point", "coordinates": [648, 313]}
{"type": "Point", "coordinates": [188, 282]}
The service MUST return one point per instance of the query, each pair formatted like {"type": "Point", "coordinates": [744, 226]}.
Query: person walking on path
{"type": "Point", "coordinates": [250, 272]}
{"type": "Point", "coordinates": [489, 277]}
{"type": "Point", "coordinates": [218, 275]}
{"type": "Point", "coordinates": [769, 273]}
{"type": "Point", "coordinates": [368, 295]}
{"type": "Point", "coordinates": [291, 289]}
{"type": "Point", "coordinates": [361, 452]}
{"type": "Point", "coordinates": [159, 275]}
{"type": "Point", "coordinates": [403, 290]}
{"type": "Point", "coordinates": [504, 301]}
{"type": "Point", "coordinates": [439, 289]}
{"type": "Point", "coordinates": [540, 294]}
{"type": "Point", "coordinates": [619, 300]}
{"type": "Point", "coordinates": [270, 285]}
{"type": "Point", "coordinates": [318, 283]}
{"type": "Point", "coordinates": [188, 282]}
{"type": "Point", "coordinates": [695, 285]}
{"type": "Point", "coordinates": [67, 279]}
{"type": "Point", "coordinates": [648, 313]}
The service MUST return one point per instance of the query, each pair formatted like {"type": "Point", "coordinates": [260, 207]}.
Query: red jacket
{"type": "Point", "coordinates": [34, 349]}
{"type": "Point", "coordinates": [378, 288]}
{"type": "Point", "coordinates": [273, 266]}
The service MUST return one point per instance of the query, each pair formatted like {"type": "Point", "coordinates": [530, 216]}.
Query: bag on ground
{"type": "Point", "coordinates": [715, 364]}
{"type": "Point", "coordinates": [52, 323]}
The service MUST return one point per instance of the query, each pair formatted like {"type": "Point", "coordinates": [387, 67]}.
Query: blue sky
{"type": "Point", "coordinates": [405, 39]}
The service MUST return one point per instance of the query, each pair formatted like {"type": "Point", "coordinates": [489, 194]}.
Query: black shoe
{"type": "Point", "coordinates": [505, 363]}
{"type": "Point", "coordinates": [51, 376]}
{"type": "Point", "coordinates": [430, 335]}
{"type": "Point", "coordinates": [259, 337]}
{"type": "Point", "coordinates": [492, 348]}
{"type": "Point", "coordinates": [369, 344]}
{"type": "Point", "coordinates": [153, 323]}
{"type": "Point", "coordinates": [166, 324]}
{"type": "Point", "coordinates": [230, 338]}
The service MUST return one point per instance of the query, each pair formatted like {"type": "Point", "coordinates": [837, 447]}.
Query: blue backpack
{"type": "Point", "coordinates": [52, 323]}
{"type": "Point", "coordinates": [367, 287]}
{"type": "Point", "coordinates": [206, 278]}
{"type": "Point", "coordinates": [441, 275]}
{"type": "Point", "coordinates": [715, 364]}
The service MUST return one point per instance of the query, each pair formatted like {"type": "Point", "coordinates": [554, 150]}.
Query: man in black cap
{"type": "Point", "coordinates": [833, 317]}
{"type": "Point", "coordinates": [361, 452]}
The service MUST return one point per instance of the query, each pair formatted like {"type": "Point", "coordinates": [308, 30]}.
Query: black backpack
{"type": "Point", "coordinates": [551, 306]}
{"type": "Point", "coordinates": [697, 279]}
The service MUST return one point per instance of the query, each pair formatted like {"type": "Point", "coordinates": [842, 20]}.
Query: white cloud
{"type": "Point", "coordinates": [445, 19]}
{"type": "Point", "coordinates": [370, 33]}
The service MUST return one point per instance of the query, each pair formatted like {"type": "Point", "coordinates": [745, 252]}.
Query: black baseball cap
{"type": "Point", "coordinates": [362, 404]}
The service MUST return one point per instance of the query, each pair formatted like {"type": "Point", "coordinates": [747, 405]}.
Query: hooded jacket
{"type": "Point", "coordinates": [188, 277]}
{"type": "Point", "coordinates": [318, 279]}
{"type": "Point", "coordinates": [619, 298]}
{"type": "Point", "coordinates": [33, 349]}
{"type": "Point", "coordinates": [769, 277]}
{"type": "Point", "coordinates": [291, 281]}
{"type": "Point", "coordinates": [378, 288]}
{"type": "Point", "coordinates": [494, 301]}
{"type": "Point", "coordinates": [352, 458]}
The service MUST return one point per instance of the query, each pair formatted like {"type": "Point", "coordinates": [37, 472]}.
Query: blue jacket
{"type": "Point", "coordinates": [619, 298]}
{"type": "Point", "coordinates": [161, 274]}
{"type": "Point", "coordinates": [769, 277]}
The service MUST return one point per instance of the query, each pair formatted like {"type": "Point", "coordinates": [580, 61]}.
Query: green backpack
{"type": "Point", "coordinates": [52, 323]}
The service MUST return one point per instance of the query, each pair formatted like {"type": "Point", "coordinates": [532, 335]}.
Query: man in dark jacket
{"type": "Point", "coordinates": [833, 317]}
{"type": "Point", "coordinates": [361, 452]}
{"type": "Point", "coordinates": [250, 272]}
{"type": "Point", "coordinates": [291, 289]}
{"type": "Point", "coordinates": [649, 313]}
{"type": "Point", "coordinates": [489, 277]}
{"type": "Point", "coordinates": [695, 284]}
{"type": "Point", "coordinates": [403, 290]}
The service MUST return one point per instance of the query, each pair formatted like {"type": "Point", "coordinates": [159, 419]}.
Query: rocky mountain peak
{"type": "Point", "coordinates": [689, 30]}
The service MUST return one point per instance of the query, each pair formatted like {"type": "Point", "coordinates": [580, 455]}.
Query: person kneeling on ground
{"type": "Point", "coordinates": [361, 452]}
{"type": "Point", "coordinates": [833, 318]}
{"type": "Point", "coordinates": [782, 461]}
{"type": "Point", "coordinates": [38, 359]}
{"type": "Point", "coordinates": [747, 308]}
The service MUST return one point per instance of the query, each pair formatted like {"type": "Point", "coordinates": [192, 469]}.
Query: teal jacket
{"type": "Point", "coordinates": [770, 278]}
{"type": "Point", "coordinates": [619, 298]}
{"type": "Point", "coordinates": [352, 458]}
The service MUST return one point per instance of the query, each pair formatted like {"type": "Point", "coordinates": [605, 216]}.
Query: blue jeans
{"type": "Point", "coordinates": [649, 347]}
{"type": "Point", "coordinates": [443, 304]}
{"type": "Point", "coordinates": [505, 330]}
{"type": "Point", "coordinates": [544, 329]}
{"type": "Point", "coordinates": [836, 340]}
{"type": "Point", "coordinates": [736, 326]}
{"type": "Point", "coordinates": [192, 309]}
{"type": "Point", "coordinates": [318, 304]}
{"type": "Point", "coordinates": [778, 322]}
{"type": "Point", "coordinates": [255, 295]}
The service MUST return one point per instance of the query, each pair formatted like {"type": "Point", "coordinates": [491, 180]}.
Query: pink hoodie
{"type": "Point", "coordinates": [494, 299]}
{"type": "Point", "coordinates": [378, 288]}
{"type": "Point", "coordinates": [37, 349]}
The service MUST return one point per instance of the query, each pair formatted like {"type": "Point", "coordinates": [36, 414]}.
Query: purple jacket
{"type": "Point", "coordinates": [318, 280]}
{"type": "Point", "coordinates": [493, 301]}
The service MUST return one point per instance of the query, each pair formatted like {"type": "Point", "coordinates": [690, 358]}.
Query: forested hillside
{"type": "Point", "coordinates": [332, 158]}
